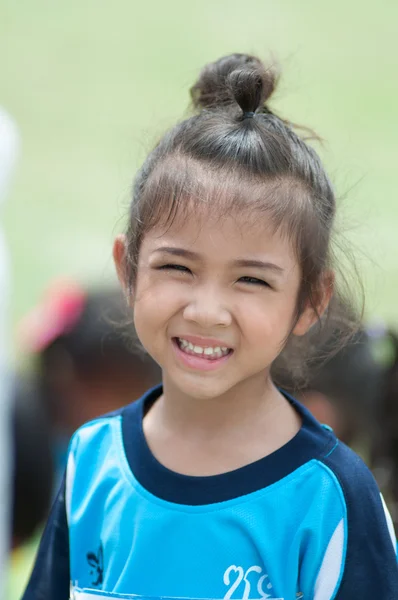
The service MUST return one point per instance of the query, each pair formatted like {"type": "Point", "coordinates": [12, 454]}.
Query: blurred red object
{"type": "Point", "coordinates": [58, 312]}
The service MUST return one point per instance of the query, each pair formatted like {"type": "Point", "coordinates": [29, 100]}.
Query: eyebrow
{"type": "Point", "coordinates": [240, 262]}
{"type": "Point", "coordinates": [178, 252]}
{"type": "Point", "coordinates": [258, 264]}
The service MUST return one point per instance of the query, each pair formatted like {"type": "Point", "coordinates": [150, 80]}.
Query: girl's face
{"type": "Point", "coordinates": [214, 301]}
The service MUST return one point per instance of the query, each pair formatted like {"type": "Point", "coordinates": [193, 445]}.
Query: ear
{"type": "Point", "coordinates": [119, 258]}
{"type": "Point", "coordinates": [309, 316]}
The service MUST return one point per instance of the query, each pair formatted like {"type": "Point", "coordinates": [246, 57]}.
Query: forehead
{"type": "Point", "coordinates": [195, 201]}
{"type": "Point", "coordinates": [222, 237]}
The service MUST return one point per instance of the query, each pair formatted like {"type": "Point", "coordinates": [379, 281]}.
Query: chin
{"type": "Point", "coordinates": [201, 388]}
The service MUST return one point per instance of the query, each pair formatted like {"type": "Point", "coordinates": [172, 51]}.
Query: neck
{"type": "Point", "coordinates": [253, 400]}
{"type": "Point", "coordinates": [196, 436]}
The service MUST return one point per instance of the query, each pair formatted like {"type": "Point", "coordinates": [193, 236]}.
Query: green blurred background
{"type": "Point", "coordinates": [93, 84]}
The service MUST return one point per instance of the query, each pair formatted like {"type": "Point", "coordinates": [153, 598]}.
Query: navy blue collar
{"type": "Point", "coordinates": [311, 442]}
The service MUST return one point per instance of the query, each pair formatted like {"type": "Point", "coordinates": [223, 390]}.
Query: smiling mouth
{"type": "Point", "coordinates": [205, 352]}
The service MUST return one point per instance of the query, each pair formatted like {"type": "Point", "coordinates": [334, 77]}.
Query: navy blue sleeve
{"type": "Point", "coordinates": [50, 579]}
{"type": "Point", "coordinates": [370, 569]}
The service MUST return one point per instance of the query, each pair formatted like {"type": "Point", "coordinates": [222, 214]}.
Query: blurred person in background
{"type": "Point", "coordinates": [9, 144]}
{"type": "Point", "coordinates": [384, 448]}
{"type": "Point", "coordinates": [33, 466]}
{"type": "Point", "coordinates": [85, 357]}
{"type": "Point", "coordinates": [32, 478]}
{"type": "Point", "coordinates": [343, 391]}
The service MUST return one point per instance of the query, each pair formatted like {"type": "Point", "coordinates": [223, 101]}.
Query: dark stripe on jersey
{"type": "Point", "coordinates": [50, 579]}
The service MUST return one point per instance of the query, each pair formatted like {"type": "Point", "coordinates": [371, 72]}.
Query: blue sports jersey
{"type": "Point", "coordinates": [306, 522]}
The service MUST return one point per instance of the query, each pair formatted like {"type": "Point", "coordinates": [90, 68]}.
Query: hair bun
{"type": "Point", "coordinates": [237, 78]}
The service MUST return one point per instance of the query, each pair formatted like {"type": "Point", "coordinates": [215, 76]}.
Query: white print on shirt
{"type": "Point", "coordinates": [236, 577]}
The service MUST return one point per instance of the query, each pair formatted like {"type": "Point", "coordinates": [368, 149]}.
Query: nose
{"type": "Point", "coordinates": [207, 310]}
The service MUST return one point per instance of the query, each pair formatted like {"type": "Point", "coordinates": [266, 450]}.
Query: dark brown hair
{"type": "Point", "coordinates": [235, 154]}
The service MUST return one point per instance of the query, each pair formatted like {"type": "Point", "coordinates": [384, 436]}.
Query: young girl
{"type": "Point", "coordinates": [218, 484]}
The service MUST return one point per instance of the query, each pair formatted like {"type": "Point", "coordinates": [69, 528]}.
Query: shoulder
{"type": "Point", "coordinates": [340, 469]}
{"type": "Point", "coordinates": [95, 445]}
{"type": "Point", "coordinates": [105, 440]}
{"type": "Point", "coordinates": [357, 484]}
{"type": "Point", "coordinates": [90, 445]}
{"type": "Point", "coordinates": [102, 429]}
{"type": "Point", "coordinates": [366, 509]}
{"type": "Point", "coordinates": [364, 540]}
{"type": "Point", "coordinates": [92, 430]}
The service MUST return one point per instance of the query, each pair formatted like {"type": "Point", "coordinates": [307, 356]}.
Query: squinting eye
{"type": "Point", "coordinates": [254, 281]}
{"type": "Point", "coordinates": [171, 267]}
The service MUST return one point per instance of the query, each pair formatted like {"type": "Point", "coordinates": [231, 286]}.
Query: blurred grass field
{"type": "Point", "coordinates": [93, 84]}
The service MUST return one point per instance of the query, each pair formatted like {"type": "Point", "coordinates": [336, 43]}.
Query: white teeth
{"type": "Point", "coordinates": [208, 351]}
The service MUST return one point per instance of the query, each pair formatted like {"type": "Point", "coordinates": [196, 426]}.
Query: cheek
{"type": "Point", "coordinates": [268, 321]}
{"type": "Point", "coordinates": [147, 316]}
{"type": "Point", "coordinates": [154, 305]}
